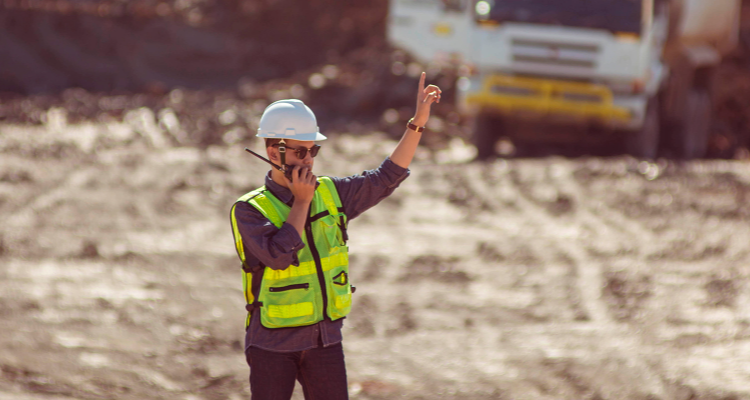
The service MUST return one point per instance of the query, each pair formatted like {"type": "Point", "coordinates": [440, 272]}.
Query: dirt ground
{"type": "Point", "coordinates": [551, 278]}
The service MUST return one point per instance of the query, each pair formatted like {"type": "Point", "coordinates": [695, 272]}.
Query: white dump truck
{"type": "Point", "coordinates": [548, 72]}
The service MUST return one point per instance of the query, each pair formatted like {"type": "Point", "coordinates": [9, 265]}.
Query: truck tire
{"type": "Point", "coordinates": [693, 138]}
{"type": "Point", "coordinates": [644, 143]}
{"type": "Point", "coordinates": [487, 129]}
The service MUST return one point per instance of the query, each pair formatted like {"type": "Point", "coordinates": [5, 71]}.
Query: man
{"type": "Point", "coordinates": [291, 237]}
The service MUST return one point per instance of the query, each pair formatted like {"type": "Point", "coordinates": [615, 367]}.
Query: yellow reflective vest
{"type": "Point", "coordinates": [301, 295]}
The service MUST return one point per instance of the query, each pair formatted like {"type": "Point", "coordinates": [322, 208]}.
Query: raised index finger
{"type": "Point", "coordinates": [421, 82]}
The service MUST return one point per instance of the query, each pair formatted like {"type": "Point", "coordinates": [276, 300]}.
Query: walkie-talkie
{"type": "Point", "coordinates": [287, 170]}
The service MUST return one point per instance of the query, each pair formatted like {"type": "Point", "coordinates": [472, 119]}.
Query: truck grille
{"type": "Point", "coordinates": [549, 58]}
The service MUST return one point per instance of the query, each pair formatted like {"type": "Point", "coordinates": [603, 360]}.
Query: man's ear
{"type": "Point", "coordinates": [273, 154]}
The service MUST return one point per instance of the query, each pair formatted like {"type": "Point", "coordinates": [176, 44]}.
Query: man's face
{"type": "Point", "coordinates": [293, 149]}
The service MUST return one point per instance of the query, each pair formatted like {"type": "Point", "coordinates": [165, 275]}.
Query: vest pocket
{"type": "Point", "coordinates": [333, 232]}
{"type": "Point", "coordinates": [289, 287]}
{"type": "Point", "coordinates": [340, 293]}
{"type": "Point", "coordinates": [289, 305]}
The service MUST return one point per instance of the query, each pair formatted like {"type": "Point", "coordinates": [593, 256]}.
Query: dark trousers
{"type": "Point", "coordinates": [321, 372]}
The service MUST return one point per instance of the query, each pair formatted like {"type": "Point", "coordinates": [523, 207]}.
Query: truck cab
{"type": "Point", "coordinates": [551, 71]}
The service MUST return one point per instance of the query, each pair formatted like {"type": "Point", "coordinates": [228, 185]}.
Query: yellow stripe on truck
{"type": "Point", "coordinates": [546, 96]}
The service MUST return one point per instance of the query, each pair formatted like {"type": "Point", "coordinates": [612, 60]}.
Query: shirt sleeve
{"type": "Point", "coordinates": [263, 242]}
{"type": "Point", "coordinates": [360, 192]}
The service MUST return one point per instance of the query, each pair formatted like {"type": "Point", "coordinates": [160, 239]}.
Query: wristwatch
{"type": "Point", "coordinates": [413, 127]}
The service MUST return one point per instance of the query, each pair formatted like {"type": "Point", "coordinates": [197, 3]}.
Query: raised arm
{"type": "Point", "coordinates": [407, 146]}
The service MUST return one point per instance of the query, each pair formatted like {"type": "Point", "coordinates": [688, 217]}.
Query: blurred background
{"type": "Point", "coordinates": [214, 64]}
{"type": "Point", "coordinates": [575, 225]}
{"type": "Point", "coordinates": [97, 60]}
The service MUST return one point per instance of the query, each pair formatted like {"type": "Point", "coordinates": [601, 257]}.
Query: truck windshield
{"type": "Point", "coordinates": [612, 15]}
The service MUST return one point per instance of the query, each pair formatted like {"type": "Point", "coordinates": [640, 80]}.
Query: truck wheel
{"type": "Point", "coordinates": [486, 132]}
{"type": "Point", "coordinates": [693, 140]}
{"type": "Point", "coordinates": [644, 143]}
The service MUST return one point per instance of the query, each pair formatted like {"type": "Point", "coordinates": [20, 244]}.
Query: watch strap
{"type": "Point", "coordinates": [413, 127]}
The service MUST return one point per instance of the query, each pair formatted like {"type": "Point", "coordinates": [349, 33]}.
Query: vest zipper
{"type": "Point", "coordinates": [318, 266]}
{"type": "Point", "coordinates": [289, 287]}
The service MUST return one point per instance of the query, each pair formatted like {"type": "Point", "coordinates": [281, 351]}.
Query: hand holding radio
{"type": "Point", "coordinates": [303, 183]}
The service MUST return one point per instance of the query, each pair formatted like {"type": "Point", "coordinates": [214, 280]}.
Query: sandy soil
{"type": "Point", "coordinates": [553, 278]}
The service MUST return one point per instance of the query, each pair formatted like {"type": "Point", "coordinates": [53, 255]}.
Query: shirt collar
{"type": "Point", "coordinates": [281, 193]}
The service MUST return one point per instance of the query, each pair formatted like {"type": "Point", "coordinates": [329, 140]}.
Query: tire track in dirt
{"type": "Point", "coordinates": [599, 217]}
{"type": "Point", "coordinates": [559, 235]}
{"type": "Point", "coordinates": [545, 183]}
{"type": "Point", "coordinates": [549, 236]}
{"type": "Point", "coordinates": [45, 197]}
{"type": "Point", "coordinates": [48, 208]}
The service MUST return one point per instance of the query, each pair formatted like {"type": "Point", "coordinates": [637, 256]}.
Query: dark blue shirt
{"type": "Point", "coordinates": [277, 248]}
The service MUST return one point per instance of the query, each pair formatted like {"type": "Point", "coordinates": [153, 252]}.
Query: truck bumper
{"type": "Point", "coordinates": [576, 102]}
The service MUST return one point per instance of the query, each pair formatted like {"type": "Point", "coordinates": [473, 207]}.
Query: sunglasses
{"type": "Point", "coordinates": [301, 152]}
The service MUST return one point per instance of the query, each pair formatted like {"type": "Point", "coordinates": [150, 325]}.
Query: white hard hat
{"type": "Point", "coordinates": [289, 119]}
